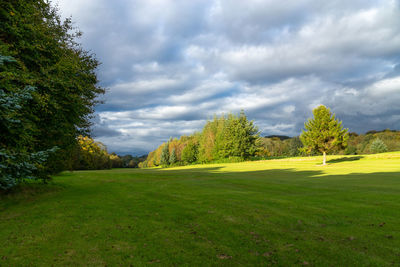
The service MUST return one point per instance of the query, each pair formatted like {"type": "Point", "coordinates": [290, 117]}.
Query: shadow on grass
{"type": "Point", "coordinates": [288, 176]}
{"type": "Point", "coordinates": [26, 192]}
{"type": "Point", "coordinates": [344, 159]}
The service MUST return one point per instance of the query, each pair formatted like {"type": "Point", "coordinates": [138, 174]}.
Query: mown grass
{"type": "Point", "coordinates": [279, 212]}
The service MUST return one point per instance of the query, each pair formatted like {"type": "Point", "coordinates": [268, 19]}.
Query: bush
{"type": "Point", "coordinates": [351, 150]}
{"type": "Point", "coordinates": [378, 146]}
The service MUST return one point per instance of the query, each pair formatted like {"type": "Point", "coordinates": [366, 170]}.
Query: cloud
{"type": "Point", "coordinates": [171, 65]}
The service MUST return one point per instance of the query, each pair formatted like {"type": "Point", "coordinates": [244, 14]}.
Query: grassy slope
{"type": "Point", "coordinates": [278, 212]}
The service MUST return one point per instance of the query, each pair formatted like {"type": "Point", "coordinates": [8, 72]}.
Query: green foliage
{"type": "Point", "coordinates": [323, 133]}
{"type": "Point", "coordinates": [116, 161]}
{"type": "Point", "coordinates": [240, 137]}
{"type": "Point", "coordinates": [16, 167]}
{"type": "Point", "coordinates": [91, 155]}
{"type": "Point", "coordinates": [351, 150]}
{"type": "Point", "coordinates": [208, 146]}
{"type": "Point", "coordinates": [295, 146]}
{"type": "Point", "coordinates": [232, 138]}
{"type": "Point", "coordinates": [228, 137]}
{"type": "Point", "coordinates": [357, 144]}
{"type": "Point", "coordinates": [165, 155]}
{"type": "Point", "coordinates": [225, 138]}
{"type": "Point", "coordinates": [172, 157]}
{"type": "Point", "coordinates": [189, 153]}
{"type": "Point", "coordinates": [280, 147]}
{"type": "Point", "coordinates": [378, 146]}
{"type": "Point", "coordinates": [17, 161]}
{"type": "Point", "coordinates": [48, 58]}
{"type": "Point", "coordinates": [362, 143]}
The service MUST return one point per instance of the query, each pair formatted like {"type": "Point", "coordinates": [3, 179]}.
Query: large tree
{"type": "Point", "coordinates": [240, 137]}
{"type": "Point", "coordinates": [164, 161]}
{"type": "Point", "coordinates": [64, 74]}
{"type": "Point", "coordinates": [323, 133]}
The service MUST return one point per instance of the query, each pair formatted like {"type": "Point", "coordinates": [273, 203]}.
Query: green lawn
{"type": "Point", "coordinates": [279, 212]}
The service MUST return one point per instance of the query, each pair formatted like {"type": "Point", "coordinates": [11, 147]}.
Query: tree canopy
{"type": "Point", "coordinates": [231, 137]}
{"type": "Point", "coordinates": [323, 133]}
{"type": "Point", "coordinates": [45, 56]}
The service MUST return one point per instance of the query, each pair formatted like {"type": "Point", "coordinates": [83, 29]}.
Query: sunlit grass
{"type": "Point", "coordinates": [348, 164]}
{"type": "Point", "coordinates": [281, 212]}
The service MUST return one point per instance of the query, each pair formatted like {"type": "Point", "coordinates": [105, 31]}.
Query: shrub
{"type": "Point", "coordinates": [378, 146]}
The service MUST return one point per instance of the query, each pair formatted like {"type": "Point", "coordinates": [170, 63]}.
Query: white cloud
{"type": "Point", "coordinates": [385, 87]}
{"type": "Point", "coordinates": [170, 65]}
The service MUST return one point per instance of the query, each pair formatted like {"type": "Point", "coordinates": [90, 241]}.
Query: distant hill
{"type": "Point", "coordinates": [382, 131]}
{"type": "Point", "coordinates": [281, 137]}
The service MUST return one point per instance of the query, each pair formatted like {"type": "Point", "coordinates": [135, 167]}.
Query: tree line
{"type": "Point", "coordinates": [369, 143]}
{"type": "Point", "coordinates": [234, 138]}
{"type": "Point", "coordinates": [89, 154]}
{"type": "Point", "coordinates": [228, 137]}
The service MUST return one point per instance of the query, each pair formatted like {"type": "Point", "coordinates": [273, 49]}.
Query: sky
{"type": "Point", "coordinates": [171, 65]}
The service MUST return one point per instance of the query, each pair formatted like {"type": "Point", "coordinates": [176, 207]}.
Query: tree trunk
{"type": "Point", "coordinates": [324, 162]}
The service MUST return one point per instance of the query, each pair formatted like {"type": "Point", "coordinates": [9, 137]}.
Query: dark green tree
{"type": "Point", "coordinates": [295, 146]}
{"type": "Point", "coordinates": [240, 137]}
{"type": "Point", "coordinates": [228, 136]}
{"type": "Point", "coordinates": [173, 159]}
{"type": "Point", "coordinates": [17, 161]}
{"type": "Point", "coordinates": [323, 133]}
{"type": "Point", "coordinates": [49, 59]}
{"type": "Point", "coordinates": [164, 161]}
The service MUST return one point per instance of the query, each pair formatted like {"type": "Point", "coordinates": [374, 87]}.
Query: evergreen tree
{"type": "Point", "coordinates": [172, 158]}
{"type": "Point", "coordinates": [323, 133]}
{"type": "Point", "coordinates": [17, 160]}
{"type": "Point", "coordinates": [240, 137]}
{"type": "Point", "coordinates": [164, 161]}
{"type": "Point", "coordinates": [378, 146]}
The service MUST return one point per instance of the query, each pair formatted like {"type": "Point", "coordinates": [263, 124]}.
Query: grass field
{"type": "Point", "coordinates": [278, 212]}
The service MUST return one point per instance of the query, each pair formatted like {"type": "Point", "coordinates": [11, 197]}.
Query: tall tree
{"type": "Point", "coordinates": [240, 136]}
{"type": "Point", "coordinates": [49, 58]}
{"type": "Point", "coordinates": [207, 141]}
{"type": "Point", "coordinates": [165, 155]}
{"type": "Point", "coordinates": [173, 159]}
{"type": "Point", "coordinates": [189, 153]}
{"type": "Point", "coordinates": [323, 133]}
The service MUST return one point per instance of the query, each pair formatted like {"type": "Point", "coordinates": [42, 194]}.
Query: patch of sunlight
{"type": "Point", "coordinates": [336, 165]}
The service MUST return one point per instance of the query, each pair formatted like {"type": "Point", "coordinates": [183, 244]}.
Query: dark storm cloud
{"type": "Point", "coordinates": [100, 131]}
{"type": "Point", "coordinates": [171, 65]}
